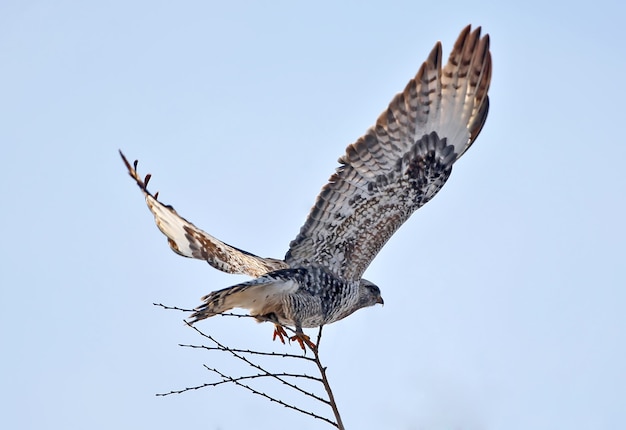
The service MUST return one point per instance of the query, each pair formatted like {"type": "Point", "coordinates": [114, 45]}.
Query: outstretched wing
{"type": "Point", "coordinates": [189, 241]}
{"type": "Point", "coordinates": [400, 163]}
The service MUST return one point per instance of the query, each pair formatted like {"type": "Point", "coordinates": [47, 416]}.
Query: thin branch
{"type": "Point", "coordinates": [247, 351]}
{"type": "Point", "coordinates": [322, 369]}
{"type": "Point", "coordinates": [224, 314]}
{"type": "Point", "coordinates": [280, 402]}
{"type": "Point", "coordinates": [240, 378]}
{"type": "Point", "coordinates": [256, 366]}
{"type": "Point", "coordinates": [283, 377]}
{"type": "Point", "coordinates": [169, 308]}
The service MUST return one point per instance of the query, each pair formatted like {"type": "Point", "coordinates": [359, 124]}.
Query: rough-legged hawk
{"type": "Point", "coordinates": [395, 168]}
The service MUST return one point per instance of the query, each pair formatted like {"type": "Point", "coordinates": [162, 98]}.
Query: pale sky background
{"type": "Point", "coordinates": [504, 296]}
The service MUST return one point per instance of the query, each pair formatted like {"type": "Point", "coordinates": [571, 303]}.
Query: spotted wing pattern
{"type": "Point", "coordinates": [400, 163]}
{"type": "Point", "coordinates": [189, 241]}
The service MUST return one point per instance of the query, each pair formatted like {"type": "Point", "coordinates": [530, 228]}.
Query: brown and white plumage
{"type": "Point", "coordinates": [189, 241]}
{"type": "Point", "coordinates": [394, 169]}
{"type": "Point", "coordinates": [401, 162]}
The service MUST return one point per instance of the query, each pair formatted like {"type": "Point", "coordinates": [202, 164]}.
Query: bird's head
{"type": "Point", "coordinates": [369, 294]}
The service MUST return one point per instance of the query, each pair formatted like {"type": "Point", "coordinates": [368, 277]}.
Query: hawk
{"type": "Point", "coordinates": [391, 171]}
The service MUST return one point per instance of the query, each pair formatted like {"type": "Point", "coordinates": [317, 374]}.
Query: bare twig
{"type": "Point", "coordinates": [224, 314]}
{"type": "Point", "coordinates": [172, 308]}
{"type": "Point", "coordinates": [280, 402]}
{"type": "Point", "coordinates": [322, 370]}
{"type": "Point", "coordinates": [256, 366]}
{"type": "Point", "coordinates": [285, 378]}
{"type": "Point", "coordinates": [240, 378]}
{"type": "Point", "coordinates": [248, 351]}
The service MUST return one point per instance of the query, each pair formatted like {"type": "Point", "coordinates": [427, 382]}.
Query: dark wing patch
{"type": "Point", "coordinates": [189, 241]}
{"type": "Point", "coordinates": [353, 217]}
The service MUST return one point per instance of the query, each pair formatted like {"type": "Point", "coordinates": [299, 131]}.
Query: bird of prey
{"type": "Point", "coordinates": [396, 167]}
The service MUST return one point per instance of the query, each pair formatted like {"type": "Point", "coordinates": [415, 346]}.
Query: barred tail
{"type": "Point", "coordinates": [260, 296]}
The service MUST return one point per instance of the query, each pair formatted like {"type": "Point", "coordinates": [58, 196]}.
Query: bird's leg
{"type": "Point", "coordinates": [302, 338]}
{"type": "Point", "coordinates": [279, 332]}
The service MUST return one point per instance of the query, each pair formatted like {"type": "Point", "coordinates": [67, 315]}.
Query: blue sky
{"type": "Point", "coordinates": [504, 296]}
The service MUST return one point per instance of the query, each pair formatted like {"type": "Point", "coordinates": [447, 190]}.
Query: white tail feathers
{"type": "Point", "coordinates": [261, 296]}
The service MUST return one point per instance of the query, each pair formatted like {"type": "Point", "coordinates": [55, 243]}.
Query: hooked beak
{"type": "Point", "coordinates": [380, 300]}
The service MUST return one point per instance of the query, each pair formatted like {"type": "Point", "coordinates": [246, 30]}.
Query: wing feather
{"type": "Point", "coordinates": [189, 241]}
{"type": "Point", "coordinates": [400, 163]}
